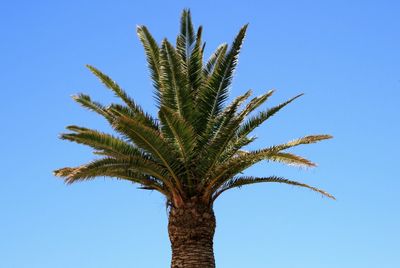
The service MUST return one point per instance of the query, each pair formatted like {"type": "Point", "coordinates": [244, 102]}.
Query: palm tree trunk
{"type": "Point", "coordinates": [191, 231]}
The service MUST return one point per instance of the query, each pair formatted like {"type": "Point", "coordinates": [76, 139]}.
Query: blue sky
{"type": "Point", "coordinates": [345, 57]}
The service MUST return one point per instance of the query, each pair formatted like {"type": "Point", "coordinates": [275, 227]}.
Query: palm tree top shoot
{"type": "Point", "coordinates": [193, 151]}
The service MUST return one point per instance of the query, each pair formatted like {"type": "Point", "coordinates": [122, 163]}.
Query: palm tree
{"type": "Point", "coordinates": [194, 150]}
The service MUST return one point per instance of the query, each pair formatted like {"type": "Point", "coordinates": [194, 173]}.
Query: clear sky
{"type": "Point", "coordinates": [345, 57]}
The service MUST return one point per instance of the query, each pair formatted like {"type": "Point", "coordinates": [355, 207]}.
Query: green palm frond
{"type": "Point", "coordinates": [190, 49]}
{"type": "Point", "coordinates": [135, 169]}
{"type": "Point", "coordinates": [103, 142]}
{"type": "Point", "coordinates": [247, 159]}
{"type": "Point", "coordinates": [186, 38]}
{"type": "Point", "coordinates": [246, 180]}
{"type": "Point", "coordinates": [112, 85]}
{"type": "Point", "coordinates": [195, 66]}
{"type": "Point", "coordinates": [238, 164]}
{"type": "Point", "coordinates": [87, 102]}
{"type": "Point", "coordinates": [152, 51]}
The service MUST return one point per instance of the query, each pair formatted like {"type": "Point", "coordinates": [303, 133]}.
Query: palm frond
{"type": "Point", "coordinates": [246, 180]}
{"type": "Point", "coordinates": [112, 85]}
{"type": "Point", "coordinates": [186, 38]}
{"type": "Point", "coordinates": [226, 170]}
{"type": "Point", "coordinates": [195, 66]}
{"type": "Point", "coordinates": [190, 49]}
{"type": "Point", "coordinates": [87, 102]}
{"type": "Point", "coordinates": [135, 169]}
{"type": "Point", "coordinates": [151, 49]}
{"type": "Point", "coordinates": [301, 141]}
{"type": "Point", "coordinates": [103, 142]}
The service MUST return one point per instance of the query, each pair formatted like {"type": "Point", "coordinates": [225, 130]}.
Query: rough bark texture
{"type": "Point", "coordinates": [191, 231]}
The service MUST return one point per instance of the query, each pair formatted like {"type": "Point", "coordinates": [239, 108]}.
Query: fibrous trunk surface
{"type": "Point", "coordinates": [191, 231]}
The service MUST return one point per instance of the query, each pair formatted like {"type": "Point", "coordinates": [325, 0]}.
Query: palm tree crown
{"type": "Point", "coordinates": [194, 148]}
